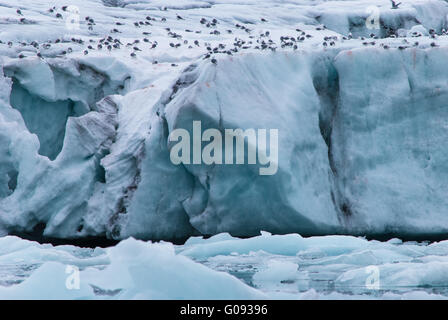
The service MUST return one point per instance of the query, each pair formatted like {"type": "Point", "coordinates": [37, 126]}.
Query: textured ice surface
{"type": "Point", "coordinates": [223, 267]}
{"type": "Point", "coordinates": [84, 131]}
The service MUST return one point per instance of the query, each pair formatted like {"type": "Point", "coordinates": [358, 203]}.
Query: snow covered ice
{"type": "Point", "coordinates": [90, 93]}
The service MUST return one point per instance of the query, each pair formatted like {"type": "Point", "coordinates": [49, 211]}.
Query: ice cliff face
{"type": "Point", "coordinates": [53, 137]}
{"type": "Point", "coordinates": [359, 147]}
{"type": "Point", "coordinates": [389, 140]}
{"type": "Point", "coordinates": [85, 148]}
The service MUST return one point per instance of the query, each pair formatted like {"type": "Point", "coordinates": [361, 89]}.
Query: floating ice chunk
{"type": "Point", "coordinates": [288, 245]}
{"type": "Point", "coordinates": [131, 270]}
{"type": "Point", "coordinates": [135, 269]}
{"type": "Point", "coordinates": [277, 271]}
{"type": "Point", "coordinates": [154, 271]}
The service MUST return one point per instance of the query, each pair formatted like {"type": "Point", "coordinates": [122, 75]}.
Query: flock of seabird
{"type": "Point", "coordinates": [261, 41]}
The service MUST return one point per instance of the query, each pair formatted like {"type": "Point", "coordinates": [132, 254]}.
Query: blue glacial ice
{"type": "Point", "coordinates": [85, 150]}
{"type": "Point", "coordinates": [361, 129]}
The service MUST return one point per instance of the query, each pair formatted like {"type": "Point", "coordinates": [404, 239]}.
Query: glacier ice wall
{"type": "Point", "coordinates": [360, 135]}
{"type": "Point", "coordinates": [389, 140]}
{"type": "Point", "coordinates": [49, 194]}
{"type": "Point", "coordinates": [85, 150]}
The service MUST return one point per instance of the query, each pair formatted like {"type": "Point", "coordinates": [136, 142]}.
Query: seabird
{"type": "Point", "coordinates": [394, 4]}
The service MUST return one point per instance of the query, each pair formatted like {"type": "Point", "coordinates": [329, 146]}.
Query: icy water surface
{"type": "Point", "coordinates": [223, 267]}
{"type": "Point", "coordinates": [335, 265]}
{"type": "Point", "coordinates": [312, 273]}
